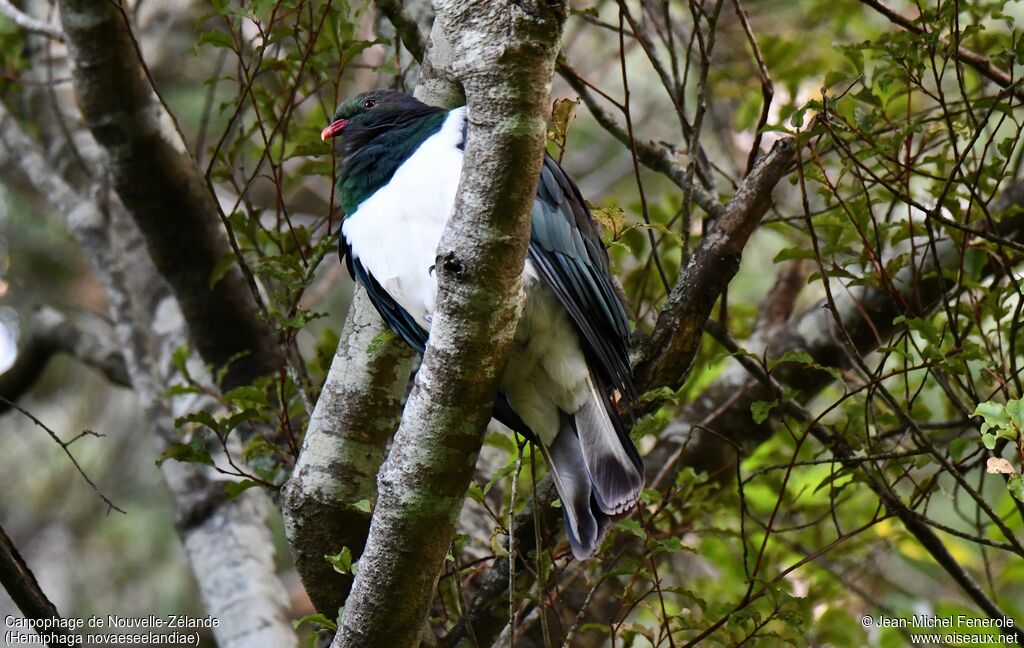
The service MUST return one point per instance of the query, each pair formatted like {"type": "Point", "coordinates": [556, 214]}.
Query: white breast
{"type": "Point", "coordinates": [395, 232]}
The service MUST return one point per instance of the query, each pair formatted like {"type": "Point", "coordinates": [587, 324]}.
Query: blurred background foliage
{"type": "Point", "coordinates": [901, 141]}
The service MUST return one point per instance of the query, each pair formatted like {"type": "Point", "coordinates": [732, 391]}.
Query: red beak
{"type": "Point", "coordinates": [333, 130]}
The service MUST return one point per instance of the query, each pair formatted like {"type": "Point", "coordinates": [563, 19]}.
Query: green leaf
{"type": "Point", "coordinates": [230, 423]}
{"type": "Point", "coordinates": [215, 38]}
{"type": "Point", "coordinates": [1000, 421]}
{"type": "Point", "coordinates": [362, 505]}
{"type": "Point", "coordinates": [612, 219]}
{"type": "Point", "coordinates": [317, 619]}
{"type": "Point", "coordinates": [186, 453]}
{"type": "Point", "coordinates": [234, 489]}
{"type": "Point", "coordinates": [500, 441]}
{"type": "Point", "coordinates": [258, 446]}
{"type": "Point", "coordinates": [475, 492]}
{"type": "Point", "coordinates": [201, 417]}
{"type": "Point", "coordinates": [1015, 409]}
{"type": "Point", "coordinates": [1015, 484]}
{"type": "Point", "coordinates": [799, 357]}
{"type": "Point", "coordinates": [672, 545]}
{"type": "Point", "coordinates": [958, 446]}
{"type": "Point", "coordinates": [221, 268]}
{"type": "Point", "coordinates": [659, 395]}
{"type": "Point", "coordinates": [341, 561]}
{"type": "Point", "coordinates": [924, 327]}
{"type": "Point", "coordinates": [988, 440]}
{"type": "Point", "coordinates": [759, 410]}
{"type": "Point", "coordinates": [249, 394]}
{"type": "Point", "coordinates": [787, 254]}
{"type": "Point", "coordinates": [797, 120]}
{"type": "Point", "coordinates": [181, 390]}
{"type": "Point", "coordinates": [180, 358]}
{"type": "Point", "coordinates": [634, 527]}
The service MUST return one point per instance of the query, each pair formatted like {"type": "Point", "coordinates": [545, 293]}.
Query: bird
{"type": "Point", "coordinates": [398, 165]}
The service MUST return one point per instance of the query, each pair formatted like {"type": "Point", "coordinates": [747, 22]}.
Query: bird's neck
{"type": "Point", "coordinates": [370, 156]}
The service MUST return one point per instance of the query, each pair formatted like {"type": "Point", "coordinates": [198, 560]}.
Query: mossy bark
{"type": "Point", "coordinates": [345, 443]}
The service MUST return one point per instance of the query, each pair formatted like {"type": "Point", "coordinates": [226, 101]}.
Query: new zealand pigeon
{"type": "Point", "coordinates": [399, 164]}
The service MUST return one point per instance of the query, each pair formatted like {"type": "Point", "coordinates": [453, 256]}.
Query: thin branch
{"type": "Point", "coordinates": [767, 88]}
{"type": "Point", "coordinates": [27, 23]}
{"type": "Point", "coordinates": [29, 364]}
{"type": "Point", "coordinates": [913, 521]}
{"type": "Point", "coordinates": [672, 89]}
{"type": "Point", "coordinates": [650, 155]}
{"type": "Point", "coordinates": [667, 355]}
{"type": "Point", "coordinates": [405, 25]}
{"type": "Point", "coordinates": [631, 138]}
{"type": "Point", "coordinates": [66, 447]}
{"type": "Point", "coordinates": [52, 333]}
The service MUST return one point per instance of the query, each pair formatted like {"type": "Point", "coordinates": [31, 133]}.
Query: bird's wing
{"type": "Point", "coordinates": [566, 249]}
{"type": "Point", "coordinates": [397, 318]}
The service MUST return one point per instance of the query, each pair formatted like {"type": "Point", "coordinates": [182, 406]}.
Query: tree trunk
{"type": "Point", "coordinates": [479, 263]}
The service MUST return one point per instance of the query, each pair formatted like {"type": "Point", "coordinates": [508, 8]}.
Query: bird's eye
{"type": "Point", "coordinates": [369, 103]}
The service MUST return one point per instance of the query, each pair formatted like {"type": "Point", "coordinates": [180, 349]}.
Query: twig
{"type": "Point", "coordinates": [631, 136]}
{"type": "Point", "coordinates": [669, 351]}
{"type": "Point", "coordinates": [650, 155]}
{"type": "Point", "coordinates": [65, 447]}
{"type": "Point", "coordinates": [767, 88]}
{"type": "Point", "coordinates": [511, 551]}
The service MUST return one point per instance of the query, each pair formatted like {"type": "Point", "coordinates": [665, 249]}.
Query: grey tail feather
{"type": "Point", "coordinates": [596, 476]}
{"type": "Point", "coordinates": [616, 472]}
{"type": "Point", "coordinates": [584, 522]}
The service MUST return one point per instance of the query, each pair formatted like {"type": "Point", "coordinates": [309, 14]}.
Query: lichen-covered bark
{"type": "Point", "coordinates": [438, 85]}
{"type": "Point", "coordinates": [345, 444]}
{"type": "Point", "coordinates": [28, 23]}
{"type": "Point", "coordinates": [164, 192]}
{"type": "Point", "coordinates": [405, 25]}
{"type": "Point", "coordinates": [503, 54]}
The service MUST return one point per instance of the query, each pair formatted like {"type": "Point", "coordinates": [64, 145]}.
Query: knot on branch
{"type": "Point", "coordinates": [452, 265]}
